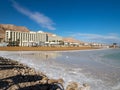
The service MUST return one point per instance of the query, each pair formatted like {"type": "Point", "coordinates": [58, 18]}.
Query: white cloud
{"type": "Point", "coordinates": [38, 17]}
{"type": "Point", "coordinates": [108, 38]}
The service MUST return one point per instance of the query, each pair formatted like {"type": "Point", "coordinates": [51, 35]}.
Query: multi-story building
{"type": "Point", "coordinates": [72, 42]}
{"type": "Point", "coordinates": [26, 38]}
{"type": "Point", "coordinates": [53, 39]}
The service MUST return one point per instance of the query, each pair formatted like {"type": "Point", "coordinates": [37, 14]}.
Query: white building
{"type": "Point", "coordinates": [72, 42]}
{"type": "Point", "coordinates": [53, 39]}
{"type": "Point", "coordinates": [26, 38]}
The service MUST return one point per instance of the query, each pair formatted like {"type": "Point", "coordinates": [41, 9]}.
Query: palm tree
{"type": "Point", "coordinates": [17, 42]}
{"type": "Point", "coordinates": [61, 42]}
{"type": "Point", "coordinates": [10, 42]}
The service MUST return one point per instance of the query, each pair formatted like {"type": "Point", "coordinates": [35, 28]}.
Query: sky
{"type": "Point", "coordinates": [85, 20]}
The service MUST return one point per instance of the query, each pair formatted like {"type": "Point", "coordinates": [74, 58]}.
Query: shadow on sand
{"type": "Point", "coordinates": [20, 82]}
{"type": "Point", "coordinates": [6, 83]}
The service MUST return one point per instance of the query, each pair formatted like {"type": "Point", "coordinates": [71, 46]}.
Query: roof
{"type": "Point", "coordinates": [69, 39]}
{"type": "Point", "coordinates": [40, 32]}
{"type": "Point", "coordinates": [50, 34]}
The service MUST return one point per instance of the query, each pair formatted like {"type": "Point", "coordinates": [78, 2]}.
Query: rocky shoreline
{"type": "Point", "coordinates": [17, 76]}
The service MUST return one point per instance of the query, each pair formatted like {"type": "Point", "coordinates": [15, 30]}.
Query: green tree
{"type": "Point", "coordinates": [10, 42]}
{"type": "Point", "coordinates": [17, 42]}
{"type": "Point", "coordinates": [13, 43]}
{"type": "Point", "coordinates": [53, 40]}
{"type": "Point", "coordinates": [61, 42]}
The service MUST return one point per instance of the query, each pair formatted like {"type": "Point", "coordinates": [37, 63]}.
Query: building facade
{"type": "Point", "coordinates": [1, 38]}
{"type": "Point", "coordinates": [53, 39]}
{"type": "Point", "coordinates": [26, 38]}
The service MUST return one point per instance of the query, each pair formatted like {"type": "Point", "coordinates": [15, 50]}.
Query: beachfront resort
{"type": "Point", "coordinates": [22, 37]}
{"type": "Point", "coordinates": [60, 45]}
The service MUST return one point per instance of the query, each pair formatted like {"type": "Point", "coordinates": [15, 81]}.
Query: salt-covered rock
{"type": "Point", "coordinates": [52, 81]}
{"type": "Point", "coordinates": [13, 87]}
{"type": "Point", "coordinates": [72, 86]}
{"type": "Point", "coordinates": [85, 87]}
{"type": "Point", "coordinates": [44, 80]}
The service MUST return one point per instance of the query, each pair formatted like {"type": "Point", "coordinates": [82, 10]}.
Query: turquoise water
{"type": "Point", "coordinates": [99, 68]}
{"type": "Point", "coordinates": [114, 59]}
{"type": "Point", "coordinates": [115, 56]}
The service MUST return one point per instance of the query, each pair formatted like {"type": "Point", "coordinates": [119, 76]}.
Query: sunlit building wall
{"type": "Point", "coordinates": [26, 38]}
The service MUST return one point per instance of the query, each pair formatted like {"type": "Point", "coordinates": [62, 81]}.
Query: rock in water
{"type": "Point", "coordinates": [72, 86]}
{"type": "Point", "coordinates": [77, 86]}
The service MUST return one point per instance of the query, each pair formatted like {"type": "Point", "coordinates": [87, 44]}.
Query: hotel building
{"type": "Point", "coordinates": [54, 38]}
{"type": "Point", "coordinates": [26, 38]}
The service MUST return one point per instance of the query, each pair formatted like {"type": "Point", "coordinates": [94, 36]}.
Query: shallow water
{"type": "Point", "coordinates": [99, 68]}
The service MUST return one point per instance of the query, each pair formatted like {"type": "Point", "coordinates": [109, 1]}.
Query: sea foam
{"type": "Point", "coordinates": [53, 68]}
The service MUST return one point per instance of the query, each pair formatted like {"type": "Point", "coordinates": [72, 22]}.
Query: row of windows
{"type": "Point", "coordinates": [26, 36]}
{"type": "Point", "coordinates": [32, 37]}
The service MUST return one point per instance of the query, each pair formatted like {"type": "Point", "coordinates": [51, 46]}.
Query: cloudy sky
{"type": "Point", "coordinates": [86, 20]}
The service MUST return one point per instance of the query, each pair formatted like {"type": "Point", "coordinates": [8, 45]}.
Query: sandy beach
{"type": "Point", "coordinates": [44, 48]}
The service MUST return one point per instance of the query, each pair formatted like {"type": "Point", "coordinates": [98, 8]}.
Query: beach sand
{"type": "Point", "coordinates": [44, 48]}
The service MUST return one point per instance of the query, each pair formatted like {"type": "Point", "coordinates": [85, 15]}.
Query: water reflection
{"type": "Point", "coordinates": [43, 55]}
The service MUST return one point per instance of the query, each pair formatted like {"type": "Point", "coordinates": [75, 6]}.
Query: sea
{"type": "Point", "coordinates": [99, 68]}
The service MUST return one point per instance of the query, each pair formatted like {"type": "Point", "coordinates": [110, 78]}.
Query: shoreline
{"type": "Point", "coordinates": [18, 76]}
{"type": "Point", "coordinates": [84, 50]}
{"type": "Point", "coordinates": [45, 48]}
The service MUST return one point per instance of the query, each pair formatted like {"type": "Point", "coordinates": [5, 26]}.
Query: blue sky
{"type": "Point", "coordinates": [86, 20]}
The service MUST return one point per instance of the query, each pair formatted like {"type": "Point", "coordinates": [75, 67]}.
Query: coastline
{"type": "Point", "coordinates": [17, 76]}
{"type": "Point", "coordinates": [44, 48]}
{"type": "Point", "coordinates": [59, 69]}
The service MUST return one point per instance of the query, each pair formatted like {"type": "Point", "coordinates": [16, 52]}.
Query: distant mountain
{"type": "Point", "coordinates": [4, 27]}
{"type": "Point", "coordinates": [69, 39]}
